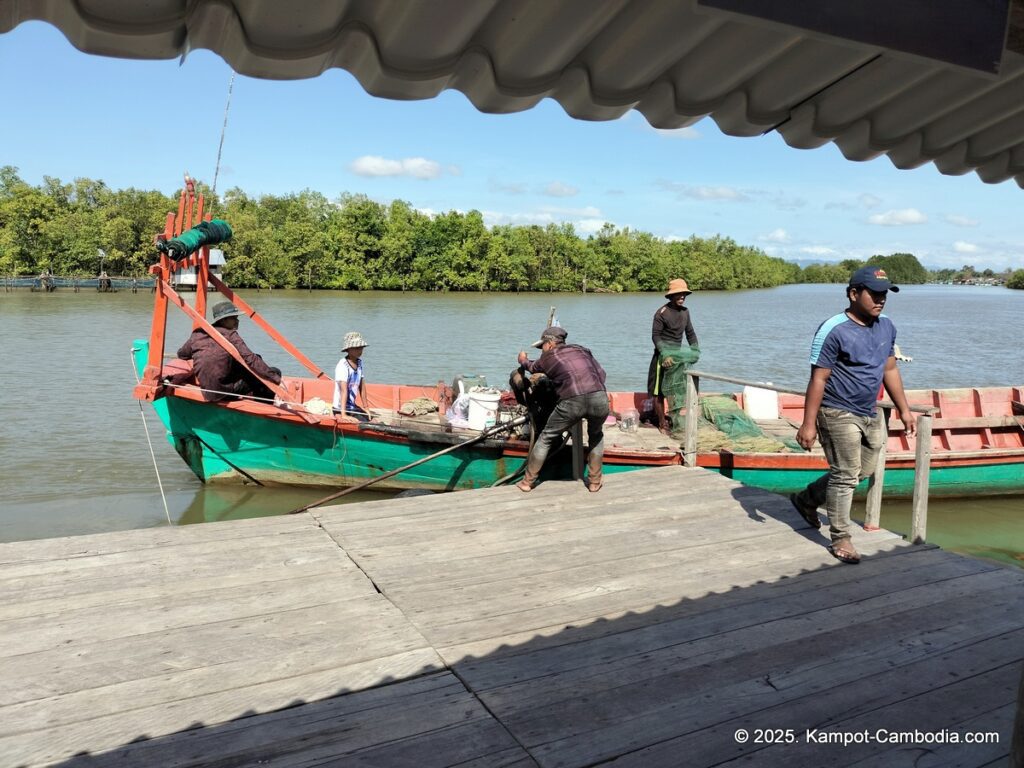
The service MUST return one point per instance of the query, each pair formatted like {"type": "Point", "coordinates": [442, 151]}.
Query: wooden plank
{"type": "Point", "coordinates": [231, 563]}
{"type": "Point", "coordinates": [743, 691]}
{"type": "Point", "coordinates": [865, 697]}
{"type": "Point", "coordinates": [231, 649]}
{"type": "Point", "coordinates": [543, 639]}
{"type": "Point", "coordinates": [640, 624]}
{"type": "Point", "coordinates": [704, 557]}
{"type": "Point", "coordinates": [393, 716]}
{"type": "Point", "coordinates": [495, 503]}
{"type": "Point", "coordinates": [78, 566]}
{"type": "Point", "coordinates": [433, 716]}
{"type": "Point", "coordinates": [713, 639]}
{"type": "Point", "coordinates": [150, 538]}
{"type": "Point", "coordinates": [55, 624]}
{"type": "Point", "coordinates": [883, 586]}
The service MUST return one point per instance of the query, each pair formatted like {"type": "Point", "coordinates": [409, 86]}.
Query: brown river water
{"type": "Point", "coordinates": [74, 456]}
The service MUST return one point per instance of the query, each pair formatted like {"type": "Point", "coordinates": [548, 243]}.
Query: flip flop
{"type": "Point", "coordinates": [845, 553]}
{"type": "Point", "coordinates": [594, 487]}
{"type": "Point", "coordinates": [809, 515]}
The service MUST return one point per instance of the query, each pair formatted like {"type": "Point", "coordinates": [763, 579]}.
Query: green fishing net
{"type": "Point", "coordinates": [206, 233]}
{"type": "Point", "coordinates": [722, 424]}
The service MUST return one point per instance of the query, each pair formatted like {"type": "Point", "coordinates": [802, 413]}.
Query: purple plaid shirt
{"type": "Point", "coordinates": [572, 368]}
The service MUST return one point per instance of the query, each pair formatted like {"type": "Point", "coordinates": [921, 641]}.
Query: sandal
{"type": "Point", "coordinates": [593, 486]}
{"type": "Point", "coordinates": [809, 515]}
{"type": "Point", "coordinates": [844, 552]}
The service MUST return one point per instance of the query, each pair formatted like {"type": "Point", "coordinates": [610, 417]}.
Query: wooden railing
{"type": "Point", "coordinates": [922, 453]}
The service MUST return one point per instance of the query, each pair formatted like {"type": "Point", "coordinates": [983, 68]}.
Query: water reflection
{"type": "Point", "coordinates": [215, 503]}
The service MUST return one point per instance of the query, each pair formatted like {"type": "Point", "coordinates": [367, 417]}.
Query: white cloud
{"type": "Point", "coordinates": [558, 189]}
{"type": "Point", "coordinates": [960, 221]}
{"type": "Point", "coordinates": [961, 247]}
{"type": "Point", "coordinates": [898, 218]}
{"type": "Point", "coordinates": [817, 250]}
{"type": "Point", "coordinates": [509, 188]}
{"type": "Point", "coordinates": [721, 192]}
{"type": "Point", "coordinates": [776, 236]}
{"type": "Point", "coordinates": [585, 220]}
{"type": "Point", "coordinates": [415, 167]}
{"type": "Point", "coordinates": [588, 226]}
{"type": "Point", "coordinates": [869, 201]}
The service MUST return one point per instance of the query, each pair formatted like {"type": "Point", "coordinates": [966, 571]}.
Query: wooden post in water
{"type": "Point", "coordinates": [877, 481]}
{"type": "Point", "coordinates": [922, 468]}
{"type": "Point", "coordinates": [692, 420]}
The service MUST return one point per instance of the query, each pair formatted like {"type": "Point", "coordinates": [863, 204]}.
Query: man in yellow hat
{"type": "Point", "coordinates": [671, 323]}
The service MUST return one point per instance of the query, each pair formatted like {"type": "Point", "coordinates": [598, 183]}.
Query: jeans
{"type": "Point", "coordinates": [594, 408]}
{"type": "Point", "coordinates": [851, 445]}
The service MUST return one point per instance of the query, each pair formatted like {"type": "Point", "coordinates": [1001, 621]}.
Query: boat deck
{"type": "Point", "coordinates": [644, 625]}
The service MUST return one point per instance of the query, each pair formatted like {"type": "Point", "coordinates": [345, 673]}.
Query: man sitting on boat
{"type": "Point", "coordinates": [349, 384]}
{"type": "Point", "coordinates": [220, 376]}
{"type": "Point", "coordinates": [579, 379]}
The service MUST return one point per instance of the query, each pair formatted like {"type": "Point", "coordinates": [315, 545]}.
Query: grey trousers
{"type": "Point", "coordinates": [851, 445]}
{"type": "Point", "coordinates": [594, 408]}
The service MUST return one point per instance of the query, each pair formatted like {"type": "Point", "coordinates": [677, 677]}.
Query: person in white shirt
{"type": "Point", "coordinates": [349, 386]}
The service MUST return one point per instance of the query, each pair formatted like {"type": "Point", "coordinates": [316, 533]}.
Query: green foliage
{"type": "Point", "coordinates": [355, 243]}
{"type": "Point", "coordinates": [1016, 280]}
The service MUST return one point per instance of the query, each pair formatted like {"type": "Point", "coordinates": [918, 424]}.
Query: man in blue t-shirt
{"type": "Point", "coordinates": [851, 358]}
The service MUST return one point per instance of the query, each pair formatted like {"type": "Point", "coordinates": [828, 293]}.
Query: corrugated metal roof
{"type": "Point", "coordinates": [674, 61]}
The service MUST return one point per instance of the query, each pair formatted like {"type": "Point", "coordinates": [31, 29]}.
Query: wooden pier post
{"type": "Point", "coordinates": [922, 468]}
{"type": "Point", "coordinates": [692, 421]}
{"type": "Point", "coordinates": [578, 461]}
{"type": "Point", "coordinates": [873, 514]}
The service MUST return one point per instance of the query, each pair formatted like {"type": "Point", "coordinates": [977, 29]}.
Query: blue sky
{"type": "Point", "coordinates": [144, 123]}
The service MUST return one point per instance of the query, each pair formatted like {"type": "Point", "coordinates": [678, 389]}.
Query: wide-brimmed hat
{"type": "Point", "coordinates": [677, 286]}
{"type": "Point", "coordinates": [551, 333]}
{"type": "Point", "coordinates": [353, 339]}
{"type": "Point", "coordinates": [223, 310]}
{"type": "Point", "coordinates": [873, 278]}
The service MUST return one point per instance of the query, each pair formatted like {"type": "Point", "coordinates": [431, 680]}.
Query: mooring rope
{"type": "Point", "coordinates": [223, 130]}
{"type": "Point", "coordinates": [149, 440]}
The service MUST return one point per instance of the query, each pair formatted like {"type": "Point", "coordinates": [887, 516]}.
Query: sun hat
{"type": "Point", "coordinates": [353, 339]}
{"type": "Point", "coordinates": [223, 310]}
{"type": "Point", "coordinates": [551, 333]}
{"type": "Point", "coordinates": [678, 286]}
{"type": "Point", "coordinates": [873, 278]}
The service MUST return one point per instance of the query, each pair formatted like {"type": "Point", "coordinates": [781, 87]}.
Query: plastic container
{"type": "Point", "coordinates": [629, 420]}
{"type": "Point", "coordinates": [761, 403]}
{"type": "Point", "coordinates": [467, 381]}
{"type": "Point", "coordinates": [483, 408]}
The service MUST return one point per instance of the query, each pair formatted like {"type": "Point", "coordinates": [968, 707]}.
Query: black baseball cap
{"type": "Point", "coordinates": [873, 278]}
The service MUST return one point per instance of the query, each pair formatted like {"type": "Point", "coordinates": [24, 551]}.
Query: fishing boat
{"type": "Point", "coordinates": [977, 437]}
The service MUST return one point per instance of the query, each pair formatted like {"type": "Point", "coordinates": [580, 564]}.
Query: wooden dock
{"type": "Point", "coordinates": [645, 625]}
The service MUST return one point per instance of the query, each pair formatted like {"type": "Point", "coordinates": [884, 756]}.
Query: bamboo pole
{"type": "Point", "coordinates": [366, 483]}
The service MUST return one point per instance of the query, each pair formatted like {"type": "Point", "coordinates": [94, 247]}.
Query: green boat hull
{"type": "Point", "coordinates": [950, 482]}
{"type": "Point", "coordinates": [232, 445]}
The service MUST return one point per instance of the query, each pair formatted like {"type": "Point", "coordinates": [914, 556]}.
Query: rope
{"type": "Point", "coordinates": [223, 130]}
{"type": "Point", "coordinates": [149, 440]}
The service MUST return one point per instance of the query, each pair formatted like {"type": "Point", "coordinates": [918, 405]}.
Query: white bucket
{"type": "Point", "coordinates": [483, 409]}
{"type": "Point", "coordinates": [761, 403]}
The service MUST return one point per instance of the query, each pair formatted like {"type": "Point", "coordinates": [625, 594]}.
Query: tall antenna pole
{"type": "Point", "coordinates": [223, 130]}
